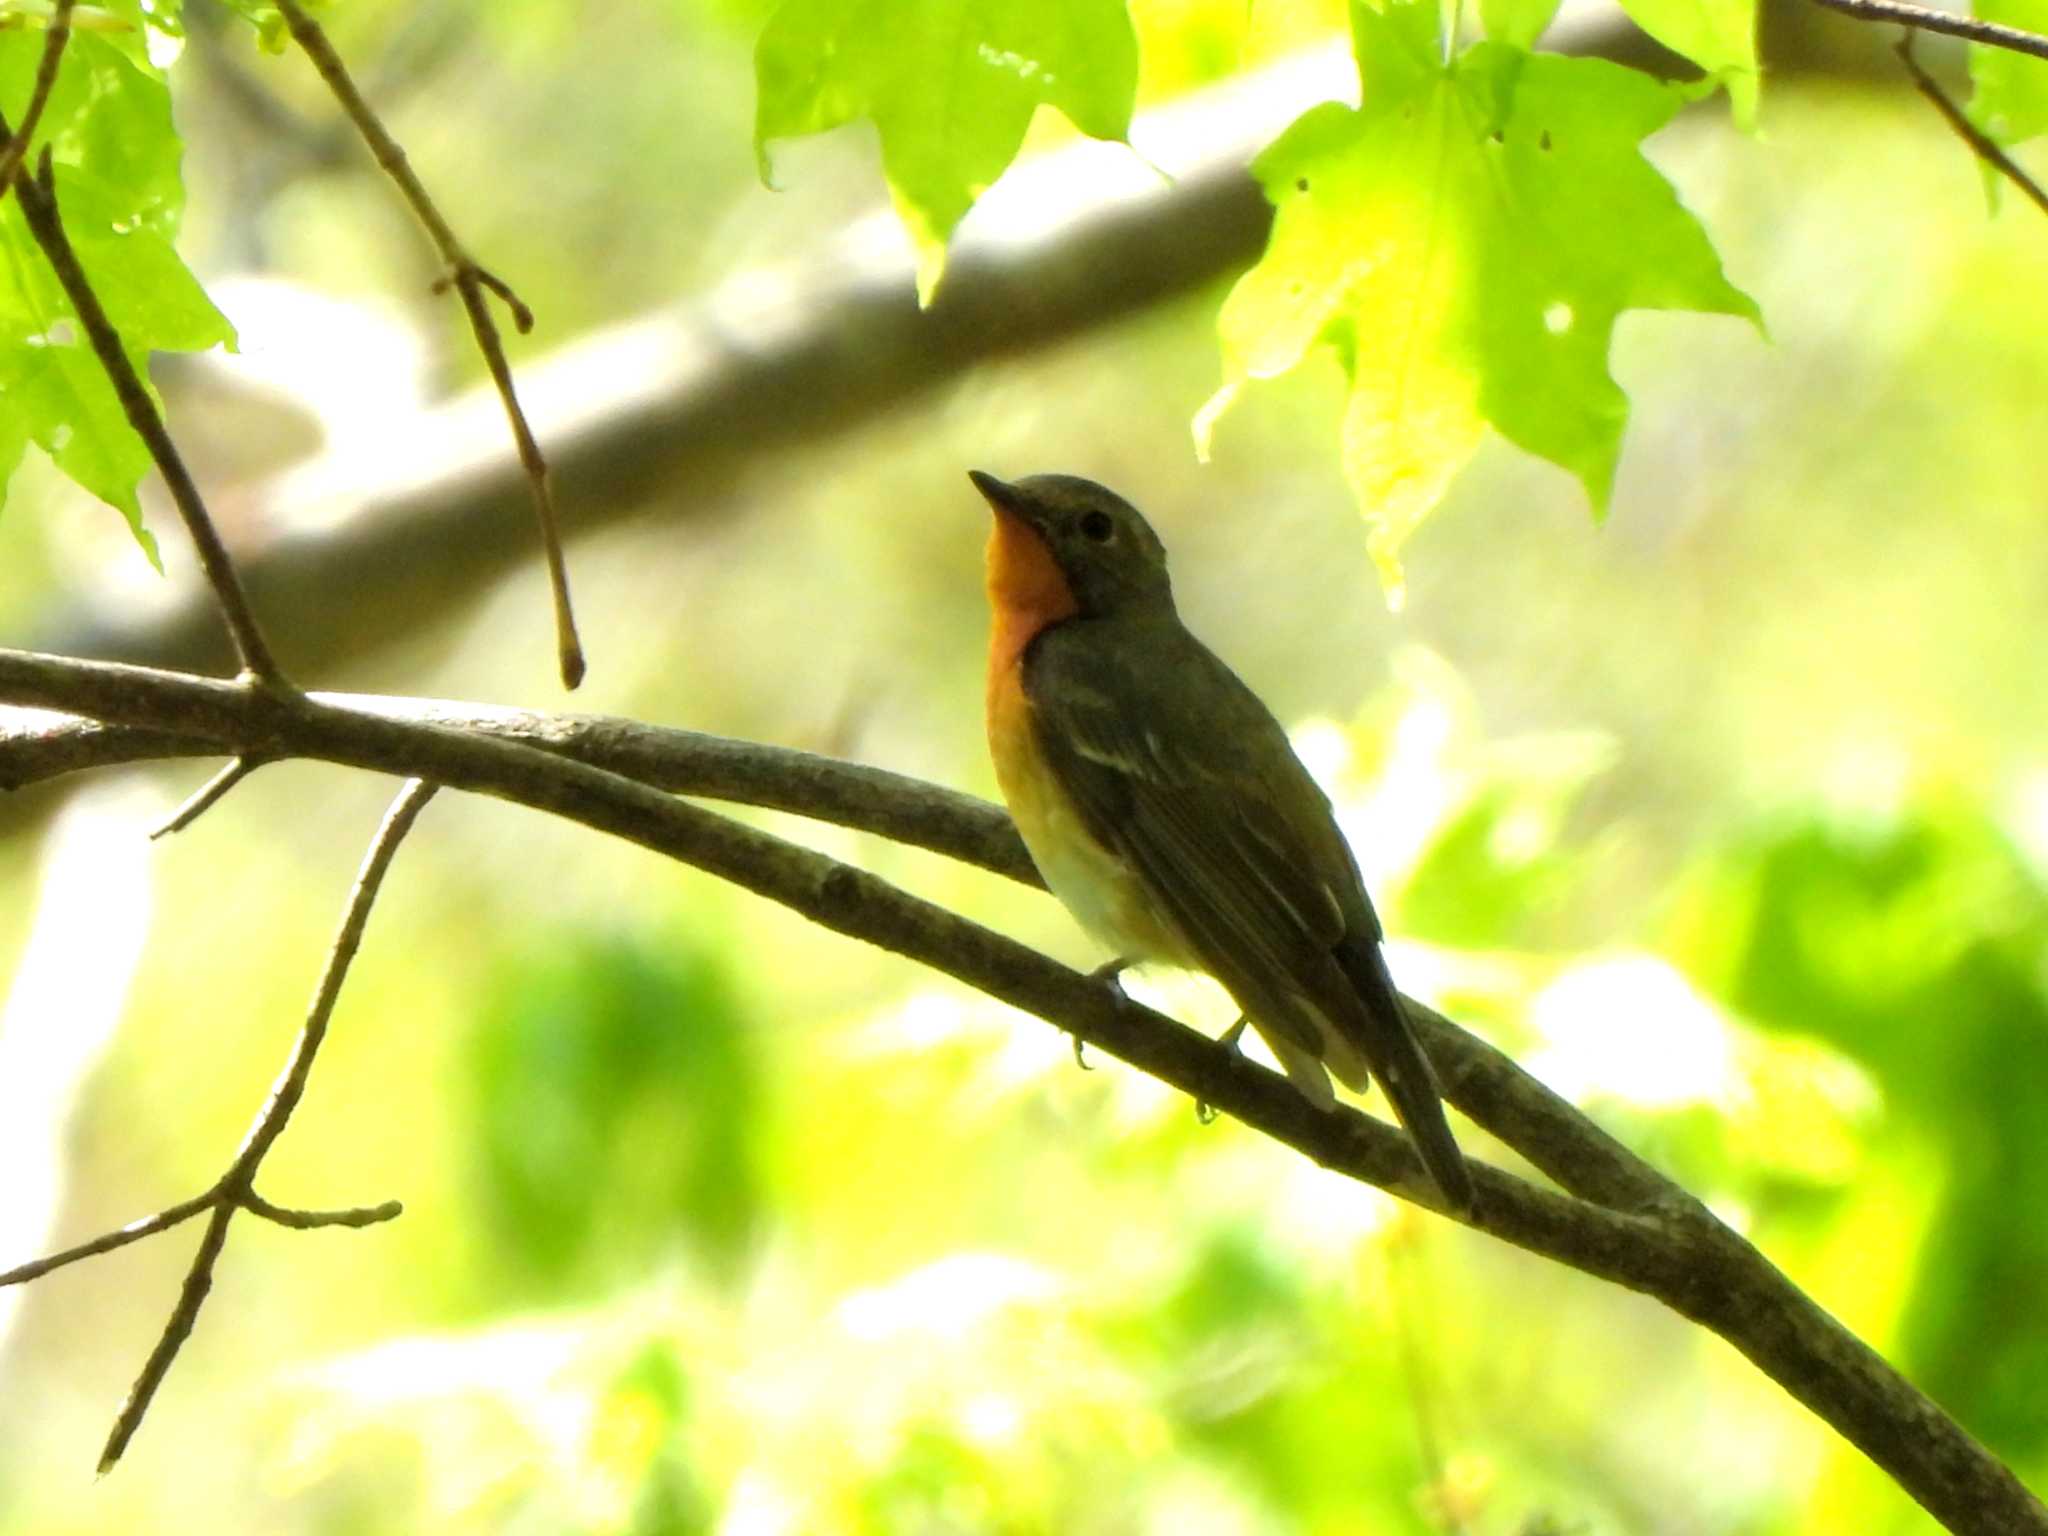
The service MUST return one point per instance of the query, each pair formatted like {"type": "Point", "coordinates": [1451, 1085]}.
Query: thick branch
{"type": "Point", "coordinates": [1549, 1131]}
{"type": "Point", "coordinates": [891, 805]}
{"type": "Point", "coordinates": [1665, 1244]}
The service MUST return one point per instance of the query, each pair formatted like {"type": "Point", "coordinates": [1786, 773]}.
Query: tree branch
{"type": "Point", "coordinates": [107, 1242]}
{"type": "Point", "coordinates": [1991, 34]}
{"type": "Point", "coordinates": [206, 797]}
{"type": "Point", "coordinates": [14, 149]}
{"type": "Point", "coordinates": [471, 283]}
{"type": "Point", "coordinates": [236, 1188]}
{"type": "Point", "coordinates": [1660, 1241]}
{"type": "Point", "coordinates": [1981, 143]}
{"type": "Point", "coordinates": [38, 198]}
{"type": "Point", "coordinates": [891, 805]}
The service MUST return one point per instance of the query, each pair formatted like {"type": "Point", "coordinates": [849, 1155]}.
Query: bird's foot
{"type": "Point", "coordinates": [1206, 1113]}
{"type": "Point", "coordinates": [1111, 973]}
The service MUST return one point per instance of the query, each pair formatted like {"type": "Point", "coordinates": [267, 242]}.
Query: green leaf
{"type": "Point", "coordinates": [951, 86]}
{"type": "Point", "coordinates": [108, 127]}
{"type": "Point", "coordinates": [620, 1100]}
{"type": "Point", "coordinates": [271, 32]}
{"type": "Point", "coordinates": [1465, 241]}
{"type": "Point", "coordinates": [1717, 35]}
{"type": "Point", "coordinates": [2010, 99]}
{"type": "Point", "coordinates": [1920, 949]}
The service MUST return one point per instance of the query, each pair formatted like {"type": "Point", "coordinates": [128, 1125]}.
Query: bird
{"type": "Point", "coordinates": [1166, 810]}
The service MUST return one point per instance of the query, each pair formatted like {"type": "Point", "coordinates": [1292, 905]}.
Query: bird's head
{"type": "Point", "coordinates": [1058, 533]}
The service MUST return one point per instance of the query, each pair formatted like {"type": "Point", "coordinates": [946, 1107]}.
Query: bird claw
{"type": "Point", "coordinates": [1206, 1113]}
{"type": "Point", "coordinates": [1111, 973]}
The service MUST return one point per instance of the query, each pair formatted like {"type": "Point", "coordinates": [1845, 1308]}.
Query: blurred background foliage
{"type": "Point", "coordinates": [1728, 818]}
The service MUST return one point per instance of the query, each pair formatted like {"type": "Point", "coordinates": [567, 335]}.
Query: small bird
{"type": "Point", "coordinates": [1164, 807]}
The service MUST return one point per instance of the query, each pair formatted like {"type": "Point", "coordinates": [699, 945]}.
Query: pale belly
{"type": "Point", "coordinates": [1104, 897]}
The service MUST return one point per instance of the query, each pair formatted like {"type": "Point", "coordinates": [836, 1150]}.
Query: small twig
{"type": "Point", "coordinates": [1990, 33]}
{"type": "Point", "coordinates": [306, 1221]}
{"type": "Point", "coordinates": [16, 148]}
{"type": "Point", "coordinates": [207, 795]}
{"type": "Point", "coordinates": [471, 282]}
{"type": "Point", "coordinates": [38, 199]}
{"type": "Point", "coordinates": [236, 1189]}
{"type": "Point", "coordinates": [291, 1083]}
{"type": "Point", "coordinates": [107, 1242]}
{"type": "Point", "coordinates": [177, 1329]}
{"type": "Point", "coordinates": [568, 644]}
{"type": "Point", "coordinates": [522, 317]}
{"type": "Point", "coordinates": [1981, 143]}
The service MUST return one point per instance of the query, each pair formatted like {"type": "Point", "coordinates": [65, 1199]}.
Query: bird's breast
{"type": "Point", "coordinates": [1093, 883]}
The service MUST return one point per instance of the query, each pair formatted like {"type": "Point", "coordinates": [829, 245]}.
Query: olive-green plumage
{"type": "Point", "coordinates": [1166, 809]}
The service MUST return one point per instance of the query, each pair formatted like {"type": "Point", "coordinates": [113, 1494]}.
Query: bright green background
{"type": "Point", "coordinates": [1729, 816]}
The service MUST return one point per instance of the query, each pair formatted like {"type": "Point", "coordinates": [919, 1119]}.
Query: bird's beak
{"type": "Point", "coordinates": [1002, 496]}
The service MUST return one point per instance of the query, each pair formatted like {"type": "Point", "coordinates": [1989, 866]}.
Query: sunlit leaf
{"type": "Point", "coordinates": [1920, 950]}
{"type": "Point", "coordinates": [620, 1103]}
{"type": "Point", "coordinates": [950, 85]}
{"type": "Point", "coordinates": [2010, 101]}
{"type": "Point", "coordinates": [108, 126]}
{"type": "Point", "coordinates": [1465, 241]}
{"type": "Point", "coordinates": [1717, 35]}
{"type": "Point", "coordinates": [271, 32]}
{"type": "Point", "coordinates": [1519, 22]}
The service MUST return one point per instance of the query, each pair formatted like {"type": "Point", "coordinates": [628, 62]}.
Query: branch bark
{"type": "Point", "coordinates": [1618, 1219]}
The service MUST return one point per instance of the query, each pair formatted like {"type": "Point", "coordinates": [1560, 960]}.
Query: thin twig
{"type": "Point", "coordinates": [1990, 33]}
{"type": "Point", "coordinates": [1981, 143]}
{"type": "Point", "coordinates": [206, 796]}
{"type": "Point", "coordinates": [177, 1329]}
{"type": "Point", "coordinates": [1661, 1242]}
{"type": "Point", "coordinates": [107, 1242]}
{"type": "Point", "coordinates": [291, 1083]}
{"type": "Point", "coordinates": [15, 150]}
{"type": "Point", "coordinates": [236, 1189]}
{"type": "Point", "coordinates": [38, 199]}
{"type": "Point", "coordinates": [306, 1221]}
{"type": "Point", "coordinates": [471, 282]}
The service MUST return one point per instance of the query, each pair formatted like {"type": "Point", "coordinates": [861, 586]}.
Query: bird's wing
{"type": "Point", "coordinates": [1180, 768]}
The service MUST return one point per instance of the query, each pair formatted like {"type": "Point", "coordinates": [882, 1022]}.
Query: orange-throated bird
{"type": "Point", "coordinates": [1164, 807]}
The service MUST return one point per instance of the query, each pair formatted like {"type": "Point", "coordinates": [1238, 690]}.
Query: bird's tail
{"type": "Point", "coordinates": [1396, 1059]}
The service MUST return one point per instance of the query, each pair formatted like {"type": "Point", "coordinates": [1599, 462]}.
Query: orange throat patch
{"type": "Point", "coordinates": [1027, 591]}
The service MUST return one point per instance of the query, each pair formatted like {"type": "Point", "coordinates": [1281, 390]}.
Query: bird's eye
{"type": "Point", "coordinates": [1098, 526]}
